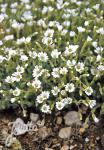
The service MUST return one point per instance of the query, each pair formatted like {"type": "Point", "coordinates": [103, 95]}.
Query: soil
{"type": "Point", "coordinates": [91, 138]}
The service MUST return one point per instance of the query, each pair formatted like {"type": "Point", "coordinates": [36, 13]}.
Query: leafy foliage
{"type": "Point", "coordinates": [51, 53]}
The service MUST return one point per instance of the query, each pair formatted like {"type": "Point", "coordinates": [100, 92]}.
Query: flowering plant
{"type": "Point", "coordinates": [51, 53]}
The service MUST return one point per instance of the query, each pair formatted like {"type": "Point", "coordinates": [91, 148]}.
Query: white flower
{"type": "Point", "coordinates": [96, 7]}
{"type": "Point", "coordinates": [100, 31]}
{"type": "Point", "coordinates": [55, 90]}
{"type": "Point", "coordinates": [37, 72]}
{"type": "Point", "coordinates": [66, 23]}
{"type": "Point", "coordinates": [8, 37]}
{"type": "Point", "coordinates": [24, 58]}
{"type": "Point", "coordinates": [59, 105]}
{"type": "Point", "coordinates": [94, 44]}
{"type": "Point", "coordinates": [21, 41]}
{"type": "Point", "coordinates": [59, 27]}
{"type": "Point", "coordinates": [66, 52]}
{"type": "Point", "coordinates": [63, 70]}
{"type": "Point", "coordinates": [98, 58]}
{"type": "Point", "coordinates": [51, 23]}
{"type": "Point", "coordinates": [45, 94]}
{"type": "Point", "coordinates": [36, 84]}
{"type": "Point", "coordinates": [14, 5]}
{"type": "Point", "coordinates": [1, 43]}
{"type": "Point", "coordinates": [13, 100]}
{"type": "Point", "coordinates": [17, 25]}
{"type": "Point", "coordinates": [86, 23]}
{"type": "Point", "coordinates": [88, 91]}
{"type": "Point", "coordinates": [81, 29]}
{"type": "Point", "coordinates": [45, 108]}
{"type": "Point", "coordinates": [16, 76]}
{"type": "Point", "coordinates": [96, 119]}
{"type": "Point", "coordinates": [71, 63]}
{"type": "Point", "coordinates": [20, 69]}
{"type": "Point", "coordinates": [27, 15]}
{"type": "Point", "coordinates": [39, 99]}
{"type": "Point", "coordinates": [100, 67]}
{"type": "Point", "coordinates": [55, 53]}
{"type": "Point", "coordinates": [47, 40]}
{"type": "Point", "coordinates": [27, 40]}
{"type": "Point", "coordinates": [24, 1]}
{"type": "Point", "coordinates": [9, 79]}
{"type": "Point", "coordinates": [33, 54]}
{"type": "Point", "coordinates": [72, 48]}
{"type": "Point", "coordinates": [49, 33]}
{"type": "Point", "coordinates": [2, 17]}
{"type": "Point", "coordinates": [92, 103]}
{"type": "Point", "coordinates": [66, 101]}
{"type": "Point", "coordinates": [89, 39]}
{"type": "Point", "coordinates": [63, 92]}
{"type": "Point", "coordinates": [55, 73]}
{"type": "Point", "coordinates": [64, 31]}
{"type": "Point", "coordinates": [72, 33]}
{"type": "Point", "coordinates": [43, 56]}
{"type": "Point", "coordinates": [59, 4]}
{"type": "Point", "coordinates": [69, 87]}
{"type": "Point", "coordinates": [79, 67]}
{"type": "Point", "coordinates": [16, 92]}
{"type": "Point", "coordinates": [41, 22]}
{"type": "Point", "coordinates": [98, 50]}
{"type": "Point", "coordinates": [2, 58]}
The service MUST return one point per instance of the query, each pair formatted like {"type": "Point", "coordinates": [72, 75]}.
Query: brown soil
{"type": "Point", "coordinates": [91, 138]}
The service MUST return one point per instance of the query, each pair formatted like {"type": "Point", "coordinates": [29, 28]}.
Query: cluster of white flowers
{"type": "Point", "coordinates": [16, 76]}
{"type": "Point", "coordinates": [51, 55]}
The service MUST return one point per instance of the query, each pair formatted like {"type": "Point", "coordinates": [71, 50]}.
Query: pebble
{"type": "Point", "coordinates": [65, 133]}
{"type": "Point", "coordinates": [49, 149]}
{"type": "Point", "coordinates": [34, 117]}
{"type": "Point", "coordinates": [86, 140]}
{"type": "Point", "coordinates": [72, 117]}
{"type": "Point", "coordinates": [44, 132]}
{"type": "Point", "coordinates": [59, 120]}
{"type": "Point", "coordinates": [1, 147]}
{"type": "Point", "coordinates": [65, 147]}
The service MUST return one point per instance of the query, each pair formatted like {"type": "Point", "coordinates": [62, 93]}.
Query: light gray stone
{"type": "Point", "coordinates": [72, 117]}
{"type": "Point", "coordinates": [65, 133]}
{"type": "Point", "coordinates": [59, 120]}
{"type": "Point", "coordinates": [44, 132]}
{"type": "Point", "coordinates": [65, 147]}
{"type": "Point", "coordinates": [34, 117]}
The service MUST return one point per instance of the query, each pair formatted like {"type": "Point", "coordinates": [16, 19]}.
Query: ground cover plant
{"type": "Point", "coordinates": [52, 54]}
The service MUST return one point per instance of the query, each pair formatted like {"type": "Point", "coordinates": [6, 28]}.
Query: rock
{"type": "Point", "coordinates": [44, 132]}
{"type": "Point", "coordinates": [65, 133]}
{"type": "Point", "coordinates": [65, 147]}
{"type": "Point", "coordinates": [49, 149]}
{"type": "Point", "coordinates": [59, 120]}
{"type": "Point", "coordinates": [34, 117]}
{"type": "Point", "coordinates": [19, 127]}
{"type": "Point", "coordinates": [41, 123]}
{"type": "Point", "coordinates": [71, 118]}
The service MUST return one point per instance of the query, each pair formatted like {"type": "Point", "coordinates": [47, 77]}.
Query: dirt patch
{"type": "Point", "coordinates": [91, 138]}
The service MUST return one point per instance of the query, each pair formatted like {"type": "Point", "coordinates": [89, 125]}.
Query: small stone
{"type": "Point", "coordinates": [65, 147]}
{"type": "Point", "coordinates": [1, 147]}
{"type": "Point", "coordinates": [65, 133]}
{"type": "Point", "coordinates": [44, 132]}
{"type": "Point", "coordinates": [34, 117]}
{"type": "Point", "coordinates": [71, 118]}
{"type": "Point", "coordinates": [59, 120]}
{"type": "Point", "coordinates": [86, 140]}
{"type": "Point", "coordinates": [49, 149]}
